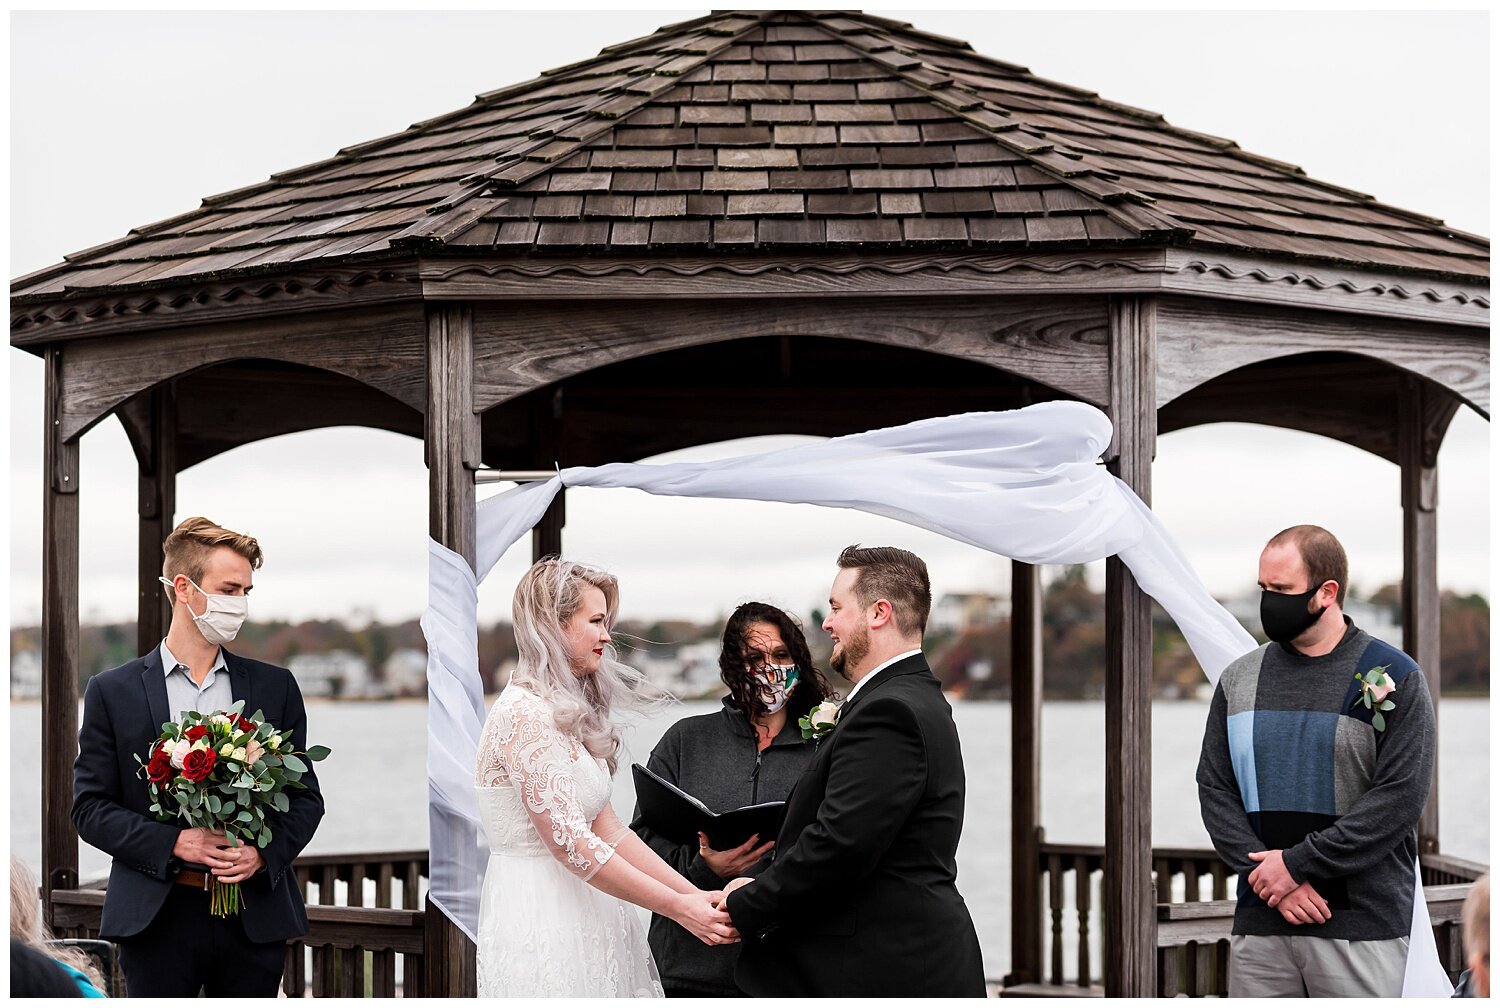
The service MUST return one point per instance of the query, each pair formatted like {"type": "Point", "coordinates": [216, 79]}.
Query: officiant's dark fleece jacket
{"type": "Point", "coordinates": [713, 758]}
{"type": "Point", "coordinates": [1291, 761]}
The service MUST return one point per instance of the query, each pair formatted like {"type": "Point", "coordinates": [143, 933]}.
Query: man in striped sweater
{"type": "Point", "coordinates": [1316, 762]}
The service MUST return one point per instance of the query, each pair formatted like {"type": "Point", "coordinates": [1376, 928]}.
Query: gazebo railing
{"type": "Point", "coordinates": [366, 927]}
{"type": "Point", "coordinates": [1195, 914]}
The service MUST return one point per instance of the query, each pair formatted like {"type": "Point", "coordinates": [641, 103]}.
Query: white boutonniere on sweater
{"type": "Point", "coordinates": [1375, 688]}
{"type": "Point", "coordinates": [819, 721]}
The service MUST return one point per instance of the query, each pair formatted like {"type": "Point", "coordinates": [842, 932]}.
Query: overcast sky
{"type": "Point", "coordinates": [122, 120]}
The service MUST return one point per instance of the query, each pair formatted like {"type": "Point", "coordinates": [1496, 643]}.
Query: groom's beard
{"type": "Point", "coordinates": [851, 651]}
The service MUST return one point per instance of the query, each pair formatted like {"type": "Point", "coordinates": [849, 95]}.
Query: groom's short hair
{"type": "Point", "coordinates": [187, 549]}
{"type": "Point", "coordinates": [896, 575]}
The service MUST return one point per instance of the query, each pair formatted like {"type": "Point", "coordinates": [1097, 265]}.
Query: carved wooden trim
{"type": "Point", "coordinates": [527, 345]}
{"type": "Point", "coordinates": [1199, 340]}
{"type": "Point", "coordinates": [1335, 286]}
{"type": "Point", "coordinates": [719, 276]}
{"type": "Point", "coordinates": [380, 346]}
{"type": "Point", "coordinates": [38, 319]}
{"type": "Point", "coordinates": [41, 319]}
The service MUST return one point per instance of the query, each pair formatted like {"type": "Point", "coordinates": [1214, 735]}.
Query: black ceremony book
{"type": "Point", "coordinates": [679, 817]}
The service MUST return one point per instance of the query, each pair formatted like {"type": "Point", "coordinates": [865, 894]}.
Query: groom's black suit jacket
{"type": "Point", "coordinates": [861, 897]}
{"type": "Point", "coordinates": [123, 711]}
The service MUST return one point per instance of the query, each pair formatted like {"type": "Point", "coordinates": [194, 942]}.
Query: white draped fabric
{"type": "Point", "coordinates": [1026, 484]}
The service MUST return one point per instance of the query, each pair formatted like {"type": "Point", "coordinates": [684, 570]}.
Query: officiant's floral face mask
{"type": "Point", "coordinates": [776, 684]}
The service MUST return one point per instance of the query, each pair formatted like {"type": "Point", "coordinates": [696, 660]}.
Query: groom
{"type": "Point", "coordinates": [157, 904]}
{"type": "Point", "coordinates": [861, 897]}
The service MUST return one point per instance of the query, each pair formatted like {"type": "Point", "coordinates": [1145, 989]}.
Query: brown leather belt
{"type": "Point", "coordinates": [196, 879]}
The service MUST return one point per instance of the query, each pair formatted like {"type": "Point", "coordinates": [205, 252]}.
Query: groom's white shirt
{"type": "Point", "coordinates": [874, 671]}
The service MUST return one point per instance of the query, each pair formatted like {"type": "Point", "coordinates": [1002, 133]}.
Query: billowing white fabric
{"type": "Point", "coordinates": [1026, 484]}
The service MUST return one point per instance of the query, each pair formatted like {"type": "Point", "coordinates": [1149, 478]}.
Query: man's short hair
{"type": "Point", "coordinates": [1322, 555]}
{"type": "Point", "coordinates": [896, 575]}
{"type": "Point", "coordinates": [187, 549]}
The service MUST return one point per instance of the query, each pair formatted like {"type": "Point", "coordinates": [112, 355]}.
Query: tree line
{"type": "Point", "coordinates": [975, 662]}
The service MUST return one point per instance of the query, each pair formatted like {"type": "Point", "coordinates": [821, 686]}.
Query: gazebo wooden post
{"type": "Point", "coordinates": [1026, 774]}
{"type": "Point", "coordinates": [1129, 896]}
{"type": "Point", "coordinates": [547, 420]}
{"type": "Point", "coordinates": [546, 537]}
{"type": "Point", "coordinates": [1421, 418]}
{"type": "Point", "coordinates": [156, 505]}
{"type": "Point", "coordinates": [452, 450]}
{"type": "Point", "coordinates": [59, 641]}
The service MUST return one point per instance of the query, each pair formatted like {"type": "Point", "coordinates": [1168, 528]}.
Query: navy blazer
{"type": "Point", "coordinates": [861, 897]}
{"type": "Point", "coordinates": [123, 711]}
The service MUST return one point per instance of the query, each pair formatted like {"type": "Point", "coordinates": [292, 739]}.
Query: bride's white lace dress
{"type": "Point", "coordinates": [543, 930]}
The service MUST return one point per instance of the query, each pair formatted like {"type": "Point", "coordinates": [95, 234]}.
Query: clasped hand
{"type": "Point", "coordinates": [1298, 904]}
{"type": "Point", "coordinates": [214, 850]}
{"type": "Point", "coordinates": [702, 914]}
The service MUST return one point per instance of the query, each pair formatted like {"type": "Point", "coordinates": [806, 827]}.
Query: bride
{"type": "Point", "coordinates": [553, 913]}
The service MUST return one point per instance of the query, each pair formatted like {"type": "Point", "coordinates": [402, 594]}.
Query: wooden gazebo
{"type": "Point", "coordinates": [754, 223]}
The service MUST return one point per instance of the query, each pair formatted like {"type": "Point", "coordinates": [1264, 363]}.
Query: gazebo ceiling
{"type": "Point", "coordinates": [784, 130]}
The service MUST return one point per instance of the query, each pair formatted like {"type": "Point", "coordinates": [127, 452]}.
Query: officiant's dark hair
{"type": "Point", "coordinates": [899, 576]}
{"type": "Point", "coordinates": [811, 689]}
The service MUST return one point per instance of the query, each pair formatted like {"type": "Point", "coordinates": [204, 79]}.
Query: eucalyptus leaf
{"type": "Point", "coordinates": [318, 752]}
{"type": "Point", "coordinates": [214, 804]}
{"type": "Point", "coordinates": [293, 763]}
{"type": "Point", "coordinates": [229, 808]}
{"type": "Point", "coordinates": [244, 817]}
{"type": "Point", "coordinates": [281, 801]}
{"type": "Point", "coordinates": [1378, 721]}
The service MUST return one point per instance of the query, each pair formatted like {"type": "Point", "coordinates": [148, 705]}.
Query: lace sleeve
{"type": "Point", "coordinates": [522, 746]}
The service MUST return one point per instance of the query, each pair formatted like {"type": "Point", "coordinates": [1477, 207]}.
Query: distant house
{"type": "Point", "coordinates": [957, 612]}
{"type": "Point", "coordinates": [25, 675]}
{"type": "Point", "coordinates": [406, 672]}
{"type": "Point", "coordinates": [687, 670]}
{"type": "Point", "coordinates": [337, 673]}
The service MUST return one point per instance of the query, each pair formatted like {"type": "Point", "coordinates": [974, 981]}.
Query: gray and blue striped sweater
{"type": "Point", "coordinates": [1292, 762]}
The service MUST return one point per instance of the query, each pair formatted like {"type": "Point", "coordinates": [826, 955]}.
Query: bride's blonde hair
{"type": "Point", "coordinates": [549, 594]}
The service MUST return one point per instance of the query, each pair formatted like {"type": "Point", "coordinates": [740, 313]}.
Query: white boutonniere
{"type": "Point", "coordinates": [819, 721]}
{"type": "Point", "coordinates": [1375, 687]}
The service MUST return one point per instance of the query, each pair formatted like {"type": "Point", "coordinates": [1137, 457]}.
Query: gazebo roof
{"type": "Point", "coordinates": [788, 130]}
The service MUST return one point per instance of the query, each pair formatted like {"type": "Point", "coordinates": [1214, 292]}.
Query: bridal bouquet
{"type": "Point", "coordinates": [224, 771]}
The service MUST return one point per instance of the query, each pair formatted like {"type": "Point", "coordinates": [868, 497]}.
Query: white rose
{"type": "Point", "coordinates": [239, 754]}
{"type": "Point", "coordinates": [226, 749]}
{"type": "Point", "coordinates": [180, 749]}
{"type": "Point", "coordinates": [274, 742]}
{"type": "Point", "coordinates": [826, 714]}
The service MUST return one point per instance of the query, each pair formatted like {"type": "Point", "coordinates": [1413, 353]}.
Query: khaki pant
{"type": "Point", "coordinates": [1304, 966]}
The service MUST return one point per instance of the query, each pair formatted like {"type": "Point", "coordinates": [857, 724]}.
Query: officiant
{"type": "Point", "coordinates": [749, 752]}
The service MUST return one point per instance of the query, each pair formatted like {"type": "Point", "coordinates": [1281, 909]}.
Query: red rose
{"type": "Point", "coordinates": [198, 763]}
{"type": "Point", "coordinates": [195, 733]}
{"type": "Point", "coordinates": [244, 724]}
{"type": "Point", "coordinates": [159, 770]}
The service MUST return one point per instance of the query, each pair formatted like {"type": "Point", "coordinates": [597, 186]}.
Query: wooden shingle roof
{"type": "Point", "coordinates": [774, 130]}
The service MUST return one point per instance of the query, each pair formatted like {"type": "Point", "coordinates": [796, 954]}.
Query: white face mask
{"type": "Point", "coordinates": [221, 621]}
{"type": "Point", "coordinates": [776, 684]}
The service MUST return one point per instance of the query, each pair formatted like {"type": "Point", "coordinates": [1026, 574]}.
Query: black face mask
{"type": "Point", "coordinates": [1284, 617]}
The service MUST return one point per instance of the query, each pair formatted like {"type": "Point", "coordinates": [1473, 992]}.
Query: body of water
{"type": "Point", "coordinates": [375, 785]}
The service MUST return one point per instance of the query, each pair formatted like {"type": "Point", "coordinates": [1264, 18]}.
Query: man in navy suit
{"type": "Point", "coordinates": [157, 905]}
{"type": "Point", "coordinates": [861, 899]}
